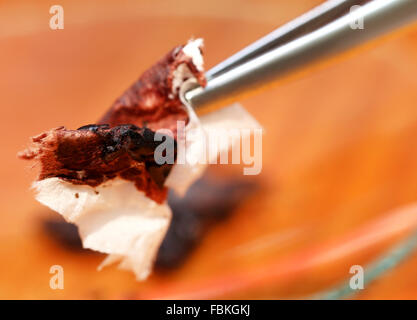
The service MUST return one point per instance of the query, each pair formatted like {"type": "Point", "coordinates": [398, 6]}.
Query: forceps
{"type": "Point", "coordinates": [329, 29]}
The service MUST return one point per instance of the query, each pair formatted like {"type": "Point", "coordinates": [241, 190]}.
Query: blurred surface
{"type": "Point", "coordinates": [339, 151]}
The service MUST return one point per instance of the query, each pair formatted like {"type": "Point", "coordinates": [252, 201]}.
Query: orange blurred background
{"type": "Point", "coordinates": [339, 151]}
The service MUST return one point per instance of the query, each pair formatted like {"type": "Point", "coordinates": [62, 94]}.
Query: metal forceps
{"type": "Point", "coordinates": [326, 30]}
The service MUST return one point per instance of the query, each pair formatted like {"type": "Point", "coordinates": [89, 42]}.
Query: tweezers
{"type": "Point", "coordinates": [329, 29]}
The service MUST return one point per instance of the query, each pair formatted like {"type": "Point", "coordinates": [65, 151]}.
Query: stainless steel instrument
{"type": "Point", "coordinates": [329, 29]}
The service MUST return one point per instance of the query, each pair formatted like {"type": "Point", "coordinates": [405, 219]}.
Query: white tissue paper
{"type": "Point", "coordinates": [116, 218]}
